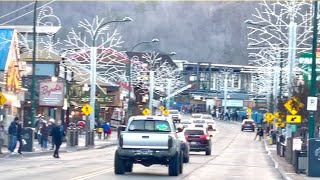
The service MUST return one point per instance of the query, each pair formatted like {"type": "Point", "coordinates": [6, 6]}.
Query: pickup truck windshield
{"type": "Point", "coordinates": [149, 125]}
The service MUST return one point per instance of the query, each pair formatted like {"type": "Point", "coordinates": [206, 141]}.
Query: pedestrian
{"type": "Point", "coordinates": [57, 138]}
{"type": "Point", "coordinates": [2, 136]}
{"type": "Point", "coordinates": [105, 127]}
{"type": "Point", "coordinates": [13, 135]}
{"type": "Point", "coordinates": [51, 125]}
{"type": "Point", "coordinates": [44, 135]}
{"type": "Point", "coordinates": [109, 131]}
{"type": "Point", "coordinates": [99, 130]}
{"type": "Point", "coordinates": [37, 126]}
{"type": "Point", "coordinates": [261, 134]}
{"type": "Point", "coordinates": [19, 136]}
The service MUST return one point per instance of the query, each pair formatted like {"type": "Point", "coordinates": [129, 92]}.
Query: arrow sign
{"type": "Point", "coordinates": [293, 119]}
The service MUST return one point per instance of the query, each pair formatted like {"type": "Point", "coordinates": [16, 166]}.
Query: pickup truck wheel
{"type": "Point", "coordinates": [174, 165]}
{"type": "Point", "coordinates": [181, 162]}
{"type": "Point", "coordinates": [118, 164]}
{"type": "Point", "coordinates": [128, 166]}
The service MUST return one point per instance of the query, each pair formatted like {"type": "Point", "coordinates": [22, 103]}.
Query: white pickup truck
{"type": "Point", "coordinates": [149, 140]}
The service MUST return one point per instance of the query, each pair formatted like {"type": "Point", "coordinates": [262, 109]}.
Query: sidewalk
{"type": "Point", "coordinates": [286, 170]}
{"type": "Point", "coordinates": [37, 150]}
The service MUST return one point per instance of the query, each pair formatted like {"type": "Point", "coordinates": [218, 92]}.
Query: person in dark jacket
{"type": "Point", "coordinates": [13, 134]}
{"type": "Point", "coordinates": [44, 135]}
{"type": "Point", "coordinates": [57, 139]}
{"type": "Point", "coordinates": [19, 136]}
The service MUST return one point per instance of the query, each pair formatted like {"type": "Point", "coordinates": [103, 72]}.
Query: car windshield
{"type": "Point", "coordinates": [196, 116]}
{"type": "Point", "coordinates": [173, 112]}
{"type": "Point", "coordinates": [150, 125]}
{"type": "Point", "coordinates": [206, 117]}
{"type": "Point", "coordinates": [193, 132]}
{"type": "Point", "coordinates": [199, 121]}
{"type": "Point", "coordinates": [248, 122]}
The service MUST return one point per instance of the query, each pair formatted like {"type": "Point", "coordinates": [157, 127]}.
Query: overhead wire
{"type": "Point", "coordinates": [27, 13]}
{"type": "Point", "coordinates": [16, 10]}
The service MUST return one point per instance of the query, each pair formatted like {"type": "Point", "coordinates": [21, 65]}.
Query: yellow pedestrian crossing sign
{"type": "Point", "coordinates": [293, 119]}
{"type": "Point", "coordinates": [2, 99]}
{"type": "Point", "coordinates": [86, 109]}
{"type": "Point", "coordinates": [293, 105]}
{"type": "Point", "coordinates": [248, 111]}
{"type": "Point", "coordinates": [145, 112]}
{"type": "Point", "coordinates": [161, 108]}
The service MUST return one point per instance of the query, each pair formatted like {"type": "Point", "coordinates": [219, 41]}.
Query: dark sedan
{"type": "Point", "coordinates": [199, 139]}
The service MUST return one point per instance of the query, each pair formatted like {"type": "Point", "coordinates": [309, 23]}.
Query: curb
{"type": "Point", "coordinates": [67, 149]}
{"type": "Point", "coordinates": [276, 164]}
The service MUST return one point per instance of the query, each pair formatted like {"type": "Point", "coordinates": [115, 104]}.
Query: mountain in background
{"type": "Point", "coordinates": [197, 31]}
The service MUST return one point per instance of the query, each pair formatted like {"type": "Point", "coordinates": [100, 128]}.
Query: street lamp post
{"type": "Point", "coordinates": [33, 80]}
{"type": "Point", "coordinates": [93, 65]}
{"type": "Point", "coordinates": [313, 68]}
{"type": "Point", "coordinates": [129, 70]}
{"type": "Point", "coordinates": [225, 89]}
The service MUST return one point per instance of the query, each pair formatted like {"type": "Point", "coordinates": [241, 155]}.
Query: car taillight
{"type": "Point", "coordinates": [253, 124]}
{"type": "Point", "coordinates": [121, 141]}
{"type": "Point", "coordinates": [204, 137]}
{"type": "Point", "coordinates": [186, 137]}
{"type": "Point", "coordinates": [170, 142]}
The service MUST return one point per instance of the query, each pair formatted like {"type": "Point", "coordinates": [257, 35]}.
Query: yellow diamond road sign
{"type": "Point", "coordinates": [86, 109]}
{"type": "Point", "coordinates": [2, 99]}
{"type": "Point", "coordinates": [293, 105]}
{"type": "Point", "coordinates": [166, 112]}
{"type": "Point", "coordinates": [277, 115]}
{"type": "Point", "coordinates": [293, 119]}
{"type": "Point", "coordinates": [248, 111]}
{"type": "Point", "coordinates": [161, 108]}
{"type": "Point", "coordinates": [268, 116]}
{"type": "Point", "coordinates": [145, 112]}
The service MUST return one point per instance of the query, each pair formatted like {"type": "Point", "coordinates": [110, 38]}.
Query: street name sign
{"type": "Point", "coordinates": [86, 109]}
{"type": "Point", "coordinates": [293, 119]}
{"type": "Point", "coordinates": [312, 103]}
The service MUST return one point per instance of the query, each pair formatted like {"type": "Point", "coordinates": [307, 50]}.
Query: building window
{"type": "Point", "coordinates": [192, 78]}
{"type": "Point", "coordinates": [236, 81]}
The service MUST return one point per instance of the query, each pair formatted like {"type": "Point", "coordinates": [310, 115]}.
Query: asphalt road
{"type": "Point", "coordinates": [235, 155]}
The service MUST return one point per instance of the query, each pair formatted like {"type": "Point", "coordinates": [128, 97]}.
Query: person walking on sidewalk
{"type": "Point", "coordinates": [57, 138]}
{"type": "Point", "coordinates": [19, 136]}
{"type": "Point", "coordinates": [13, 134]}
{"type": "Point", "coordinates": [44, 135]}
{"type": "Point", "coordinates": [50, 127]}
{"type": "Point", "coordinates": [2, 136]}
{"type": "Point", "coordinates": [109, 131]}
{"type": "Point", "coordinates": [105, 127]}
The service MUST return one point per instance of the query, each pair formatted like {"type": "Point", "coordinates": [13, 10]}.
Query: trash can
{"type": "Point", "coordinates": [27, 136]}
{"type": "Point", "coordinates": [313, 157]}
{"type": "Point", "coordinates": [72, 137]}
{"type": "Point", "coordinates": [120, 128]}
{"type": "Point", "coordinates": [300, 159]}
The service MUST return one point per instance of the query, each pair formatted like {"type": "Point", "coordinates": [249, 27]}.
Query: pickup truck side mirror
{"type": "Point", "coordinates": [179, 130]}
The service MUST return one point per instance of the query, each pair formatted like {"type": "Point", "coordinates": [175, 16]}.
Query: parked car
{"type": "Point", "coordinates": [184, 124]}
{"type": "Point", "coordinates": [211, 124]}
{"type": "Point", "coordinates": [248, 124]}
{"type": "Point", "coordinates": [175, 115]}
{"type": "Point", "coordinates": [199, 139]}
{"type": "Point", "coordinates": [149, 140]}
{"type": "Point", "coordinates": [185, 147]}
{"type": "Point", "coordinates": [199, 123]}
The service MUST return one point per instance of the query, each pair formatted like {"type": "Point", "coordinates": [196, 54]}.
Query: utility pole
{"type": "Point", "coordinates": [168, 94]}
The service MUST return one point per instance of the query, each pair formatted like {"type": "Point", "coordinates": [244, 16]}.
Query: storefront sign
{"type": "Point", "coordinates": [51, 94]}
{"type": "Point", "coordinates": [233, 103]}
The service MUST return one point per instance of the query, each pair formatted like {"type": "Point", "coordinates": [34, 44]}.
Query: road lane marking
{"type": "Point", "coordinates": [18, 169]}
{"type": "Point", "coordinates": [94, 174]}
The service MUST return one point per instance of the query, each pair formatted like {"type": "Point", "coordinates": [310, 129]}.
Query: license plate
{"type": "Point", "coordinates": [193, 143]}
{"type": "Point", "coordinates": [145, 152]}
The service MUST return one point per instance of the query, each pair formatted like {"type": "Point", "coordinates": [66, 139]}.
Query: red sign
{"type": "Point", "coordinates": [51, 94]}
